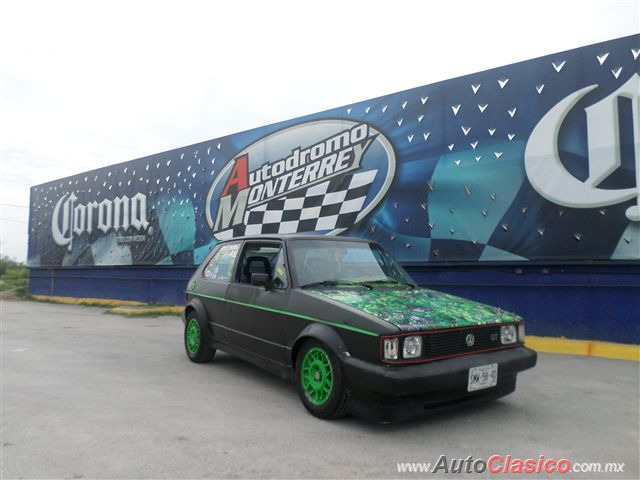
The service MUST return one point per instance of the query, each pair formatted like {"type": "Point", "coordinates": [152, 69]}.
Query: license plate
{"type": "Point", "coordinates": [485, 376]}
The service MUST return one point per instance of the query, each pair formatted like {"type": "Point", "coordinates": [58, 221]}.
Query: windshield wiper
{"type": "Point", "coordinates": [333, 283]}
{"type": "Point", "coordinates": [388, 280]}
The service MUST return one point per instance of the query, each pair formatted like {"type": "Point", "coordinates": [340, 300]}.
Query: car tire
{"type": "Point", "coordinates": [320, 382]}
{"type": "Point", "coordinates": [197, 339]}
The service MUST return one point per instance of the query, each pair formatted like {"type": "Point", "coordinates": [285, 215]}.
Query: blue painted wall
{"type": "Point", "coordinates": [573, 301]}
{"type": "Point", "coordinates": [578, 301]}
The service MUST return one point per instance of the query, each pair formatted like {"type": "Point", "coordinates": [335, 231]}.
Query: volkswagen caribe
{"type": "Point", "coordinates": [343, 320]}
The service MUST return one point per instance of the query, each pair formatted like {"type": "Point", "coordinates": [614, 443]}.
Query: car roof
{"type": "Point", "coordinates": [297, 236]}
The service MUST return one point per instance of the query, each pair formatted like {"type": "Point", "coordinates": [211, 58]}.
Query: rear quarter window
{"type": "Point", "coordinates": [221, 266]}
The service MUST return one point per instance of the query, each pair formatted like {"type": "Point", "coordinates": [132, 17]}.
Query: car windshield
{"type": "Point", "coordinates": [335, 262]}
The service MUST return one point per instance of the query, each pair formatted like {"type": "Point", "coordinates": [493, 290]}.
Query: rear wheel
{"type": "Point", "coordinates": [197, 341]}
{"type": "Point", "coordinates": [319, 381]}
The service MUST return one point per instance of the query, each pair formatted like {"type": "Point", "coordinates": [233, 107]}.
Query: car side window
{"type": "Point", "coordinates": [220, 267]}
{"type": "Point", "coordinates": [264, 257]}
{"type": "Point", "coordinates": [280, 272]}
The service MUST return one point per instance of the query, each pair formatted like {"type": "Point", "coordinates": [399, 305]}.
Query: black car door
{"type": "Point", "coordinates": [211, 288]}
{"type": "Point", "coordinates": [253, 314]}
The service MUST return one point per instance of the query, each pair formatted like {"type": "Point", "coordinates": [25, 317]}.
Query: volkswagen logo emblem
{"type": "Point", "coordinates": [470, 339]}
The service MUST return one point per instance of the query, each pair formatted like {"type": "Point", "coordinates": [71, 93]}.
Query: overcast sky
{"type": "Point", "coordinates": [90, 83]}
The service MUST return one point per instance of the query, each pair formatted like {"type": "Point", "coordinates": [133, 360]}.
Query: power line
{"type": "Point", "coordinates": [7, 179]}
{"type": "Point", "coordinates": [15, 175]}
{"type": "Point", "coordinates": [13, 205]}
{"type": "Point", "coordinates": [12, 220]}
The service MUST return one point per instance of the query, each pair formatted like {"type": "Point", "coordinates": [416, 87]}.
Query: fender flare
{"type": "Point", "coordinates": [322, 333]}
{"type": "Point", "coordinates": [195, 304]}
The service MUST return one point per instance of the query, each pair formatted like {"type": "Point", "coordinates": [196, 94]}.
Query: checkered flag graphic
{"type": "Point", "coordinates": [329, 205]}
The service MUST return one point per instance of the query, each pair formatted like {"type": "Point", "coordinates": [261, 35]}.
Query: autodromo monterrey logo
{"type": "Point", "coordinates": [323, 176]}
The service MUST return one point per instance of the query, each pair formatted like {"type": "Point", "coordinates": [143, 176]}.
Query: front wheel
{"type": "Point", "coordinates": [320, 382]}
{"type": "Point", "coordinates": [197, 343]}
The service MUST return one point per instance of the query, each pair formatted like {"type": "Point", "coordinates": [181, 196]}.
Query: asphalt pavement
{"type": "Point", "coordinates": [91, 395]}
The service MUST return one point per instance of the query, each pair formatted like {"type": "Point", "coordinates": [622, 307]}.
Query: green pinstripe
{"type": "Point", "coordinates": [284, 312]}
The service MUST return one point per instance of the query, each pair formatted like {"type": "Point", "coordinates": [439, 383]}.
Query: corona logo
{"type": "Point", "coordinates": [70, 219]}
{"type": "Point", "coordinates": [553, 181]}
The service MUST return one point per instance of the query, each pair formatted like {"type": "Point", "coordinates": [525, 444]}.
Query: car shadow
{"type": "Point", "coordinates": [461, 413]}
{"type": "Point", "coordinates": [248, 371]}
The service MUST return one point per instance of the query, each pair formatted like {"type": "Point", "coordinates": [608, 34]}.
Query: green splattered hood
{"type": "Point", "coordinates": [419, 308]}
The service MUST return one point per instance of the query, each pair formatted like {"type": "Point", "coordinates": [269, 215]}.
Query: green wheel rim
{"type": "Point", "coordinates": [193, 336]}
{"type": "Point", "coordinates": [317, 376]}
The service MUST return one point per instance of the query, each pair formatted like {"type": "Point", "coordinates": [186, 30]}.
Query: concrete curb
{"type": "Point", "coordinates": [590, 348]}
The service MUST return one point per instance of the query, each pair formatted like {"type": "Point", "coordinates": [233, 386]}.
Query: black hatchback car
{"type": "Point", "coordinates": [343, 320]}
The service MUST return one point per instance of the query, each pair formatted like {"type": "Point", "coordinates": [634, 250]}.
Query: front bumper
{"type": "Point", "coordinates": [389, 392]}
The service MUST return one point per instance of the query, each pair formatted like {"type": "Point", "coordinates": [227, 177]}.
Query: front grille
{"type": "Point", "coordinates": [454, 342]}
{"type": "Point", "coordinates": [450, 343]}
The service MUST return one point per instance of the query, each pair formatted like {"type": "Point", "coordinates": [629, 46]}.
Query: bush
{"type": "Point", "coordinates": [13, 276]}
{"type": "Point", "coordinates": [4, 266]}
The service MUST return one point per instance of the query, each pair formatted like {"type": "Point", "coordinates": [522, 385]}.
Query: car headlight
{"type": "Point", "coordinates": [521, 332]}
{"type": "Point", "coordinates": [412, 347]}
{"type": "Point", "coordinates": [508, 334]}
{"type": "Point", "coordinates": [390, 347]}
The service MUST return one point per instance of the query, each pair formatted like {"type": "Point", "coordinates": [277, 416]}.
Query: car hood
{"type": "Point", "coordinates": [419, 308]}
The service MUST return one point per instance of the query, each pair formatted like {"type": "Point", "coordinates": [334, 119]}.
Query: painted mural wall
{"type": "Point", "coordinates": [532, 162]}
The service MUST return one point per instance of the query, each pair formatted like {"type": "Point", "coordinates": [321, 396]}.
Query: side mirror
{"type": "Point", "coordinates": [261, 279]}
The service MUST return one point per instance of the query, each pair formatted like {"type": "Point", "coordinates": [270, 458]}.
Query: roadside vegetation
{"type": "Point", "coordinates": [147, 311]}
{"type": "Point", "coordinates": [127, 308]}
{"type": "Point", "coordinates": [87, 302]}
{"type": "Point", "coordinates": [14, 277]}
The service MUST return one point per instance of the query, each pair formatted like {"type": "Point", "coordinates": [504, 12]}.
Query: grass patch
{"type": "Point", "coordinates": [128, 308]}
{"type": "Point", "coordinates": [147, 311]}
{"type": "Point", "coordinates": [88, 302]}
